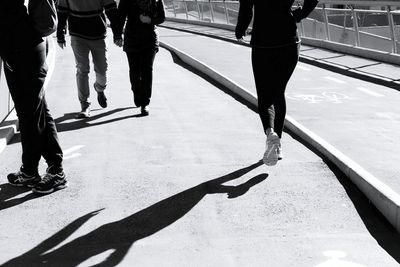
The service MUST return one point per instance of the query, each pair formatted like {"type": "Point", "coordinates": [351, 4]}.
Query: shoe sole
{"type": "Point", "coordinates": [59, 187]}
{"type": "Point", "coordinates": [270, 157]}
{"type": "Point", "coordinates": [30, 185]}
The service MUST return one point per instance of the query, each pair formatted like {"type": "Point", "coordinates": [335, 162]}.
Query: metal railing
{"type": "Point", "coordinates": [363, 24]}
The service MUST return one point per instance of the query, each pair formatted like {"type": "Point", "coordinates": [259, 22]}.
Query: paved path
{"type": "Point", "coordinates": [182, 187]}
{"type": "Point", "coordinates": [359, 118]}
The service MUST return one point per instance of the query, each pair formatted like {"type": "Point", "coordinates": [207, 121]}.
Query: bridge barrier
{"type": "Point", "coordinates": [369, 29]}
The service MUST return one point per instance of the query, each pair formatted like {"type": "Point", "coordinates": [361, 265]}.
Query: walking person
{"type": "Point", "coordinates": [23, 51]}
{"type": "Point", "coordinates": [87, 27]}
{"type": "Point", "coordinates": [141, 44]}
{"type": "Point", "coordinates": [275, 51]}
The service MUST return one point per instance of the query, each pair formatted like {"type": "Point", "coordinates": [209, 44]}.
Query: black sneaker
{"type": "Point", "coordinates": [144, 110]}
{"type": "Point", "coordinates": [84, 114]}
{"type": "Point", "coordinates": [51, 182]}
{"type": "Point", "coordinates": [21, 178]}
{"type": "Point", "coordinates": [102, 99]}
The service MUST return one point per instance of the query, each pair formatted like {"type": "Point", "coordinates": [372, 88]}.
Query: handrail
{"type": "Point", "coordinates": [364, 24]}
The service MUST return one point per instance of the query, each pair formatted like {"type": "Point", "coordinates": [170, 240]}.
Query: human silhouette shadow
{"type": "Point", "coordinates": [8, 192]}
{"type": "Point", "coordinates": [76, 124]}
{"type": "Point", "coordinates": [120, 235]}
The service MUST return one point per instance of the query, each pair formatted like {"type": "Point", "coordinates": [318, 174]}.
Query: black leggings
{"type": "Point", "coordinates": [272, 69]}
{"type": "Point", "coordinates": [141, 75]}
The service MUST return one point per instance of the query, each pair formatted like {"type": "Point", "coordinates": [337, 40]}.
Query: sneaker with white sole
{"type": "Point", "coordinates": [84, 114]}
{"type": "Point", "coordinates": [50, 182]}
{"type": "Point", "coordinates": [21, 178]}
{"type": "Point", "coordinates": [279, 152]}
{"type": "Point", "coordinates": [270, 157]}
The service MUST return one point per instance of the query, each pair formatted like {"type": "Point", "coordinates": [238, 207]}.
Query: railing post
{"type": "Point", "coordinates": [392, 30]}
{"type": "Point", "coordinates": [186, 9]}
{"type": "Point", "coordinates": [327, 31]}
{"type": "Point", "coordinates": [211, 10]}
{"type": "Point", "coordinates": [173, 7]}
{"type": "Point", "coordinates": [226, 13]}
{"type": "Point", "coordinates": [198, 9]}
{"type": "Point", "coordinates": [355, 24]}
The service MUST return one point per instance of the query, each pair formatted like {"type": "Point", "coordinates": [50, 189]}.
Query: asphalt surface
{"type": "Point", "coordinates": [358, 117]}
{"type": "Point", "coordinates": [183, 186]}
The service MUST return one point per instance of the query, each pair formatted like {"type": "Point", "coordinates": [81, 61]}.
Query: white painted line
{"type": "Point", "coordinates": [75, 155]}
{"type": "Point", "coordinates": [367, 91]}
{"type": "Point", "coordinates": [334, 80]}
{"type": "Point", "coordinates": [72, 149]}
{"type": "Point", "coordinates": [302, 67]}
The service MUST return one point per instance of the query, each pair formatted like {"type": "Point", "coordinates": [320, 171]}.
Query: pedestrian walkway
{"type": "Point", "coordinates": [357, 117]}
{"type": "Point", "coordinates": [182, 187]}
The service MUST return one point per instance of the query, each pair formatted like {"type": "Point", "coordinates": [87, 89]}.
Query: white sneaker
{"type": "Point", "coordinates": [270, 157]}
{"type": "Point", "coordinates": [279, 152]}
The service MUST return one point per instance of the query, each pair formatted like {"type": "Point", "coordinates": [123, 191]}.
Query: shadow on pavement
{"type": "Point", "coordinates": [120, 235]}
{"type": "Point", "coordinates": [76, 124]}
{"type": "Point", "coordinates": [8, 192]}
{"type": "Point", "coordinates": [377, 225]}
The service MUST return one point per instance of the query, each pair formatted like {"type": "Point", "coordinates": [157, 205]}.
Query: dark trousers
{"type": "Point", "coordinates": [25, 71]}
{"type": "Point", "coordinates": [272, 69]}
{"type": "Point", "coordinates": [141, 75]}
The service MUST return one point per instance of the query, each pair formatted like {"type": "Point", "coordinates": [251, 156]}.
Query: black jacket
{"type": "Point", "coordinates": [16, 30]}
{"type": "Point", "coordinates": [138, 35]}
{"type": "Point", "coordinates": [274, 22]}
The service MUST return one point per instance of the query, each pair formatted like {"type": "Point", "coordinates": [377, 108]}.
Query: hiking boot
{"type": "Point", "coordinates": [51, 181]}
{"type": "Point", "coordinates": [144, 110]}
{"type": "Point", "coordinates": [270, 157]}
{"type": "Point", "coordinates": [84, 114]}
{"type": "Point", "coordinates": [21, 178]}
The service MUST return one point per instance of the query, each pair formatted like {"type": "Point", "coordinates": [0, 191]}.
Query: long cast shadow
{"type": "Point", "coordinates": [8, 192]}
{"type": "Point", "coordinates": [120, 235]}
{"type": "Point", "coordinates": [82, 123]}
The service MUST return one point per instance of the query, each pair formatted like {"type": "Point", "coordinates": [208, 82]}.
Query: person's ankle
{"type": "Point", "coordinates": [269, 131]}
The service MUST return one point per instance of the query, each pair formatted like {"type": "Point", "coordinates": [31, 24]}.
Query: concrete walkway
{"type": "Point", "coordinates": [352, 122]}
{"type": "Point", "coordinates": [182, 187]}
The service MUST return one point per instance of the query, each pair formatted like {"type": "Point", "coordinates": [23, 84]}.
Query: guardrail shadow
{"type": "Point", "coordinates": [120, 235]}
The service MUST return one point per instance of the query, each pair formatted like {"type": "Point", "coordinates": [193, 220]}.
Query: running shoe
{"type": "Point", "coordinates": [84, 114]}
{"type": "Point", "coordinates": [270, 157]}
{"type": "Point", "coordinates": [21, 178]}
{"type": "Point", "coordinates": [144, 110]}
{"type": "Point", "coordinates": [279, 152]}
{"type": "Point", "coordinates": [50, 182]}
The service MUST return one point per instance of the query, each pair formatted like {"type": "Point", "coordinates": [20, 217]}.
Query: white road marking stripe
{"type": "Point", "coordinates": [334, 80]}
{"type": "Point", "coordinates": [303, 67]}
{"type": "Point", "coordinates": [367, 91]}
{"type": "Point", "coordinates": [75, 155]}
{"type": "Point", "coordinates": [72, 149]}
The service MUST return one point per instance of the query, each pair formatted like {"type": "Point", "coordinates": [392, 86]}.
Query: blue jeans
{"type": "Point", "coordinates": [98, 49]}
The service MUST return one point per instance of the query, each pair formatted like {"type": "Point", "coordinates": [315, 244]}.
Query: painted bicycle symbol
{"type": "Point", "coordinates": [330, 97]}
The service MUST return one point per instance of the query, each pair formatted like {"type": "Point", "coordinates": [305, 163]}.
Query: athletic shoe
{"type": "Point", "coordinates": [279, 152]}
{"type": "Point", "coordinates": [51, 182]}
{"type": "Point", "coordinates": [84, 114]}
{"type": "Point", "coordinates": [102, 99]}
{"type": "Point", "coordinates": [21, 178]}
{"type": "Point", "coordinates": [144, 110]}
{"type": "Point", "coordinates": [270, 157]}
